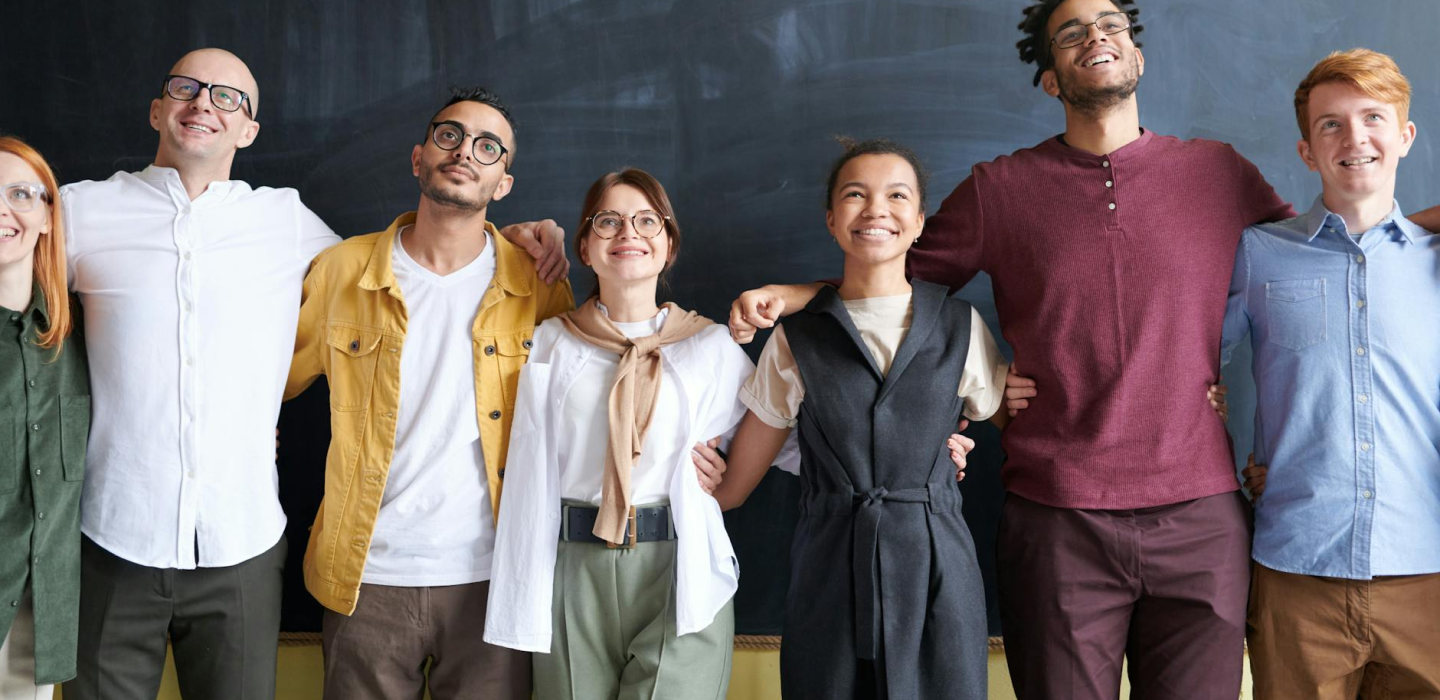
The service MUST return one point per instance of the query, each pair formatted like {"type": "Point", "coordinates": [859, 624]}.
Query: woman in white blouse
{"type": "Point", "coordinates": [633, 598]}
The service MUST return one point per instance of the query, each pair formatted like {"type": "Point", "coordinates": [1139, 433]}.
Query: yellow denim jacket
{"type": "Point", "coordinates": [352, 326]}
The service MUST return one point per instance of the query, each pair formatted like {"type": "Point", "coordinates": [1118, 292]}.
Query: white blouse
{"type": "Point", "coordinates": [705, 371]}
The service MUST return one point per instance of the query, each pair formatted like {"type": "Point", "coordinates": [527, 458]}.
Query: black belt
{"type": "Point", "coordinates": [650, 524]}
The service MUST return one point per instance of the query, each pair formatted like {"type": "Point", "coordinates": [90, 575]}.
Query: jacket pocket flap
{"type": "Point", "coordinates": [352, 341]}
{"type": "Point", "coordinates": [515, 344]}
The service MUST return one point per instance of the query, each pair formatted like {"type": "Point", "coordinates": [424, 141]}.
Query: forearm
{"type": "Point", "coordinates": [751, 453]}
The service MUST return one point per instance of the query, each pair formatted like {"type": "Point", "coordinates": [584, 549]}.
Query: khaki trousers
{"type": "Point", "coordinates": [1321, 638]}
{"type": "Point", "coordinates": [614, 631]}
{"type": "Point", "coordinates": [381, 650]}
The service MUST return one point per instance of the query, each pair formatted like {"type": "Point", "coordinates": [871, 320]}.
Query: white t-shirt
{"type": "Point", "coordinates": [586, 420]}
{"type": "Point", "coordinates": [435, 527]}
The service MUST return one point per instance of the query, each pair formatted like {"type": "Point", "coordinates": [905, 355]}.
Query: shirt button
{"type": "Point", "coordinates": [1364, 399]}
{"type": "Point", "coordinates": [1364, 447]}
{"type": "Point", "coordinates": [186, 306]}
{"type": "Point", "coordinates": [32, 383]}
{"type": "Point", "coordinates": [1360, 259]}
{"type": "Point", "coordinates": [1105, 164]}
{"type": "Point", "coordinates": [1359, 351]}
{"type": "Point", "coordinates": [1360, 304]}
{"type": "Point", "coordinates": [489, 349]}
{"type": "Point", "coordinates": [35, 427]}
{"type": "Point", "coordinates": [190, 473]}
{"type": "Point", "coordinates": [37, 472]}
{"type": "Point", "coordinates": [494, 415]}
{"type": "Point", "coordinates": [189, 362]}
{"type": "Point", "coordinates": [187, 255]}
{"type": "Point", "coordinates": [1112, 205]}
{"type": "Point", "coordinates": [40, 515]}
{"type": "Point", "coordinates": [1109, 183]}
{"type": "Point", "coordinates": [1366, 493]}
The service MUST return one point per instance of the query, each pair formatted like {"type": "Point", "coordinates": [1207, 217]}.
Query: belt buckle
{"type": "Point", "coordinates": [630, 529]}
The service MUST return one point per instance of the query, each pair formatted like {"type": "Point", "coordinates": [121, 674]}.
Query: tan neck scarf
{"type": "Point", "coordinates": [632, 398]}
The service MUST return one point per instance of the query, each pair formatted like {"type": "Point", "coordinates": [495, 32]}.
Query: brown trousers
{"type": "Point", "coordinates": [381, 650]}
{"type": "Point", "coordinates": [1082, 590]}
{"type": "Point", "coordinates": [1328, 638]}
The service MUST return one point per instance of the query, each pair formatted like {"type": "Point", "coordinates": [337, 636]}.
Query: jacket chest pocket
{"type": "Point", "coordinates": [353, 359]}
{"type": "Point", "coordinates": [74, 435]}
{"type": "Point", "coordinates": [510, 352]}
{"type": "Point", "coordinates": [1296, 310]}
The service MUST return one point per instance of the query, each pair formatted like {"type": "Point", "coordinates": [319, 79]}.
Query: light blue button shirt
{"type": "Point", "coordinates": [1346, 338]}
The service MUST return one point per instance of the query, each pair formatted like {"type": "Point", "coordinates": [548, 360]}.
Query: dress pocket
{"type": "Point", "coordinates": [1296, 310]}
{"type": "Point", "coordinates": [74, 435]}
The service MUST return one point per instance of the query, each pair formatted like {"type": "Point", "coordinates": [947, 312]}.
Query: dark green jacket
{"type": "Point", "coordinates": [44, 421]}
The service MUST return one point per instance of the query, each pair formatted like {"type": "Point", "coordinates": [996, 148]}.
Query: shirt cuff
{"type": "Point", "coordinates": [765, 415]}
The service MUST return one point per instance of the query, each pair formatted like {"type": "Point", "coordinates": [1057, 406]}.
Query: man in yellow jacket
{"type": "Point", "coordinates": [421, 330]}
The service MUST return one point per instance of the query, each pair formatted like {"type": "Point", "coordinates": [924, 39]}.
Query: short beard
{"type": "Point", "coordinates": [1100, 100]}
{"type": "Point", "coordinates": [444, 198]}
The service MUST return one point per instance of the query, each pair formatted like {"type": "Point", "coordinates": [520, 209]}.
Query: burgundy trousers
{"type": "Point", "coordinates": [1081, 590]}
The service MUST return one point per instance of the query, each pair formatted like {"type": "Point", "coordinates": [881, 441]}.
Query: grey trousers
{"type": "Point", "coordinates": [223, 624]}
{"type": "Point", "coordinates": [614, 631]}
{"type": "Point", "coordinates": [379, 652]}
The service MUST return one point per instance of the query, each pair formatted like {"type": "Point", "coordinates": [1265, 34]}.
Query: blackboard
{"type": "Point", "coordinates": [730, 103]}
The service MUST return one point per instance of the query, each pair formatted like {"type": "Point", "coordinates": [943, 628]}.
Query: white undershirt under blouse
{"type": "Point", "coordinates": [586, 421]}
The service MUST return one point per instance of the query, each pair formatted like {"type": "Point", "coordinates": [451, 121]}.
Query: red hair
{"type": "Point", "coordinates": [50, 269]}
{"type": "Point", "coordinates": [1370, 72]}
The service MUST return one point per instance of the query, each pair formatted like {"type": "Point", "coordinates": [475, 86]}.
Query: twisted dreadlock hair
{"type": "Point", "coordinates": [1035, 46]}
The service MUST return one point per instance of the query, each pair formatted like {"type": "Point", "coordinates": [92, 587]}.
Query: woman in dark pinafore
{"type": "Point", "coordinates": [885, 598]}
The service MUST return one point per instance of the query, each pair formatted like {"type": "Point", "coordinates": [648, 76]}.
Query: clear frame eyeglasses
{"type": "Point", "coordinates": [224, 97]}
{"type": "Point", "coordinates": [23, 197]}
{"type": "Point", "coordinates": [645, 223]}
{"type": "Point", "coordinates": [1076, 34]}
{"type": "Point", "coordinates": [449, 136]}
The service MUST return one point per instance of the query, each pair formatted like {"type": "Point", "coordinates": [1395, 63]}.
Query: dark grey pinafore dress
{"type": "Point", "coordinates": [885, 598]}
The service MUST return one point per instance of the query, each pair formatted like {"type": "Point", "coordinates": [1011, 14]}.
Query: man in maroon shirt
{"type": "Point", "coordinates": [1110, 249]}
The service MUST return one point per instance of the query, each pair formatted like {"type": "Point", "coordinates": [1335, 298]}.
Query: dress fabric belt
{"type": "Point", "coordinates": [867, 509]}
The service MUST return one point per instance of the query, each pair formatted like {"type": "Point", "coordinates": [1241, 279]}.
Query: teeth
{"type": "Point", "coordinates": [1358, 161]}
{"type": "Point", "coordinates": [629, 253]}
{"type": "Point", "coordinates": [1102, 58]}
{"type": "Point", "coordinates": [873, 232]}
{"type": "Point", "coordinates": [200, 128]}
{"type": "Point", "coordinates": [9, 232]}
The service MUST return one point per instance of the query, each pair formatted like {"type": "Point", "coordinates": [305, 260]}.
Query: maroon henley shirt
{"type": "Point", "coordinates": [1110, 275]}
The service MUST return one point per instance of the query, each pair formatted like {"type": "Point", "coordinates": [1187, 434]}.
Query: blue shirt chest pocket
{"type": "Point", "coordinates": [1296, 311]}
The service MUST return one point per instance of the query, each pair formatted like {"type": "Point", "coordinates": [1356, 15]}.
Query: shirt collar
{"type": "Point", "coordinates": [38, 312]}
{"type": "Point", "coordinates": [1130, 149]}
{"type": "Point", "coordinates": [1320, 217]}
{"type": "Point", "coordinates": [511, 271]}
{"type": "Point", "coordinates": [168, 180]}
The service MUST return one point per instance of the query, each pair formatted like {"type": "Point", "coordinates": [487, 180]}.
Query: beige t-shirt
{"type": "Point", "coordinates": [775, 391]}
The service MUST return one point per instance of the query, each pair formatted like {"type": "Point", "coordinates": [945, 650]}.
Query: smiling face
{"type": "Point", "coordinates": [195, 132]}
{"type": "Point", "coordinates": [875, 212]}
{"type": "Point", "coordinates": [454, 178]}
{"type": "Point", "coordinates": [19, 231]}
{"type": "Point", "coordinates": [1103, 71]}
{"type": "Point", "coordinates": [628, 258]}
{"type": "Point", "coordinates": [1356, 142]}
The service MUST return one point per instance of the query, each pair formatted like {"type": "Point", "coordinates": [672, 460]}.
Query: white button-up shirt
{"type": "Point", "coordinates": [190, 312]}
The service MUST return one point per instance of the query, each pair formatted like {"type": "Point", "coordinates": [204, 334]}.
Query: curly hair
{"type": "Point", "coordinates": [1035, 46]}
